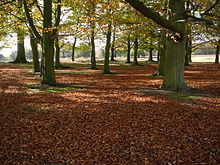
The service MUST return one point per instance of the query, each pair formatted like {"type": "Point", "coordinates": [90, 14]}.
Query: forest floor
{"type": "Point", "coordinates": [108, 119]}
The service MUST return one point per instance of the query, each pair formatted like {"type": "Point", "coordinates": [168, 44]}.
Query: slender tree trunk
{"type": "Point", "coordinates": [35, 53]}
{"type": "Point", "coordinates": [162, 56]}
{"type": "Point", "coordinates": [73, 49]}
{"type": "Point", "coordinates": [129, 49]}
{"type": "Point", "coordinates": [158, 56]}
{"type": "Point", "coordinates": [190, 50]}
{"type": "Point", "coordinates": [57, 53]}
{"type": "Point", "coordinates": [175, 50]}
{"type": "Point", "coordinates": [217, 54]}
{"type": "Point", "coordinates": [188, 45]}
{"type": "Point", "coordinates": [20, 49]}
{"type": "Point", "coordinates": [113, 45]}
{"type": "Point", "coordinates": [106, 69]}
{"type": "Point", "coordinates": [136, 51]}
{"type": "Point", "coordinates": [150, 55]}
{"type": "Point", "coordinates": [93, 59]}
{"type": "Point", "coordinates": [48, 72]}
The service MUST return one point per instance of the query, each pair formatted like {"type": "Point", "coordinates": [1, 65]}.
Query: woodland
{"type": "Point", "coordinates": [110, 82]}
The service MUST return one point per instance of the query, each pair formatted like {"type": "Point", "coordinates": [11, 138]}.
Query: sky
{"type": "Point", "coordinates": [10, 45]}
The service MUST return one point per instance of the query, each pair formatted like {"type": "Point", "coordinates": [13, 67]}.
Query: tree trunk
{"type": "Point", "coordinates": [188, 45]}
{"type": "Point", "coordinates": [190, 50]}
{"type": "Point", "coordinates": [162, 56]}
{"type": "Point", "coordinates": [93, 59]}
{"type": "Point", "coordinates": [73, 49]}
{"type": "Point", "coordinates": [136, 51]}
{"type": "Point", "coordinates": [129, 49]}
{"type": "Point", "coordinates": [150, 55]}
{"type": "Point", "coordinates": [175, 50]}
{"type": "Point", "coordinates": [48, 72]}
{"type": "Point", "coordinates": [35, 53]}
{"type": "Point", "coordinates": [20, 49]}
{"type": "Point", "coordinates": [217, 54]}
{"type": "Point", "coordinates": [106, 69]}
{"type": "Point", "coordinates": [57, 53]}
{"type": "Point", "coordinates": [113, 45]}
{"type": "Point", "coordinates": [158, 56]}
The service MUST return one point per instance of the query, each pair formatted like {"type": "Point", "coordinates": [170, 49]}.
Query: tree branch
{"type": "Point", "coordinates": [211, 7]}
{"type": "Point", "coordinates": [5, 3]}
{"type": "Point", "coordinates": [147, 12]}
{"type": "Point", "coordinates": [31, 22]}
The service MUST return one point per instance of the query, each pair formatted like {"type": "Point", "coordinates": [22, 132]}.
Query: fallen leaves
{"type": "Point", "coordinates": [110, 123]}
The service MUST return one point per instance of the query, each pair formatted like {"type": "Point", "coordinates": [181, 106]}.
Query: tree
{"type": "Point", "coordinates": [175, 44]}
{"type": "Point", "coordinates": [20, 49]}
{"type": "Point", "coordinates": [35, 53]}
{"type": "Point", "coordinates": [46, 39]}
{"type": "Point", "coordinates": [136, 45]}
{"type": "Point", "coordinates": [217, 53]}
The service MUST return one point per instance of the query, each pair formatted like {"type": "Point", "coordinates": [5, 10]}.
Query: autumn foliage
{"type": "Point", "coordinates": [108, 119]}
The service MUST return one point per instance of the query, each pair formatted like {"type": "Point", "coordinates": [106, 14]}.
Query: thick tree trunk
{"type": "Point", "coordinates": [73, 49]}
{"type": "Point", "coordinates": [106, 69]}
{"type": "Point", "coordinates": [150, 55]}
{"type": "Point", "coordinates": [20, 49]}
{"type": "Point", "coordinates": [35, 54]}
{"type": "Point", "coordinates": [175, 50]}
{"type": "Point", "coordinates": [136, 51]}
{"type": "Point", "coordinates": [129, 49]}
{"type": "Point", "coordinates": [93, 59]}
{"type": "Point", "coordinates": [217, 55]}
{"type": "Point", "coordinates": [57, 53]}
{"type": "Point", "coordinates": [48, 72]}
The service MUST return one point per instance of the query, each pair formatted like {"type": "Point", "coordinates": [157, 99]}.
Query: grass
{"type": "Point", "coordinates": [33, 110]}
{"type": "Point", "coordinates": [109, 74]}
{"type": "Point", "coordinates": [154, 77]}
{"type": "Point", "coordinates": [73, 72]}
{"type": "Point", "coordinates": [37, 88]}
{"type": "Point", "coordinates": [188, 96]}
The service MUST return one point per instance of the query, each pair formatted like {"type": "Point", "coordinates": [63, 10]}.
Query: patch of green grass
{"type": "Point", "coordinates": [73, 72]}
{"type": "Point", "coordinates": [110, 74]}
{"type": "Point", "coordinates": [54, 89]}
{"type": "Point", "coordinates": [31, 111]}
{"type": "Point", "coordinates": [187, 96]}
{"type": "Point", "coordinates": [180, 96]}
{"type": "Point", "coordinates": [37, 88]}
{"type": "Point", "coordinates": [8, 108]}
{"type": "Point", "coordinates": [32, 73]}
{"type": "Point", "coordinates": [154, 77]}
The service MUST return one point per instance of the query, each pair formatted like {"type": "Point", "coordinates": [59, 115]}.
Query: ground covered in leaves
{"type": "Point", "coordinates": [108, 119]}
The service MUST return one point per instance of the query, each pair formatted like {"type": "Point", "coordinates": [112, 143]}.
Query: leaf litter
{"type": "Point", "coordinates": [110, 123]}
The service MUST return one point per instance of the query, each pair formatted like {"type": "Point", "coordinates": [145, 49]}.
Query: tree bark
{"type": "Point", "coordinates": [136, 51]}
{"type": "Point", "coordinates": [129, 49]}
{"type": "Point", "coordinates": [175, 50]}
{"type": "Point", "coordinates": [106, 69]}
{"type": "Point", "coordinates": [217, 54]}
{"type": "Point", "coordinates": [113, 45]}
{"type": "Point", "coordinates": [150, 55]}
{"type": "Point", "coordinates": [162, 56]}
{"type": "Point", "coordinates": [93, 58]}
{"type": "Point", "coordinates": [35, 53]}
{"type": "Point", "coordinates": [47, 67]}
{"type": "Point", "coordinates": [20, 49]}
{"type": "Point", "coordinates": [73, 49]}
{"type": "Point", "coordinates": [57, 53]}
{"type": "Point", "coordinates": [188, 45]}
